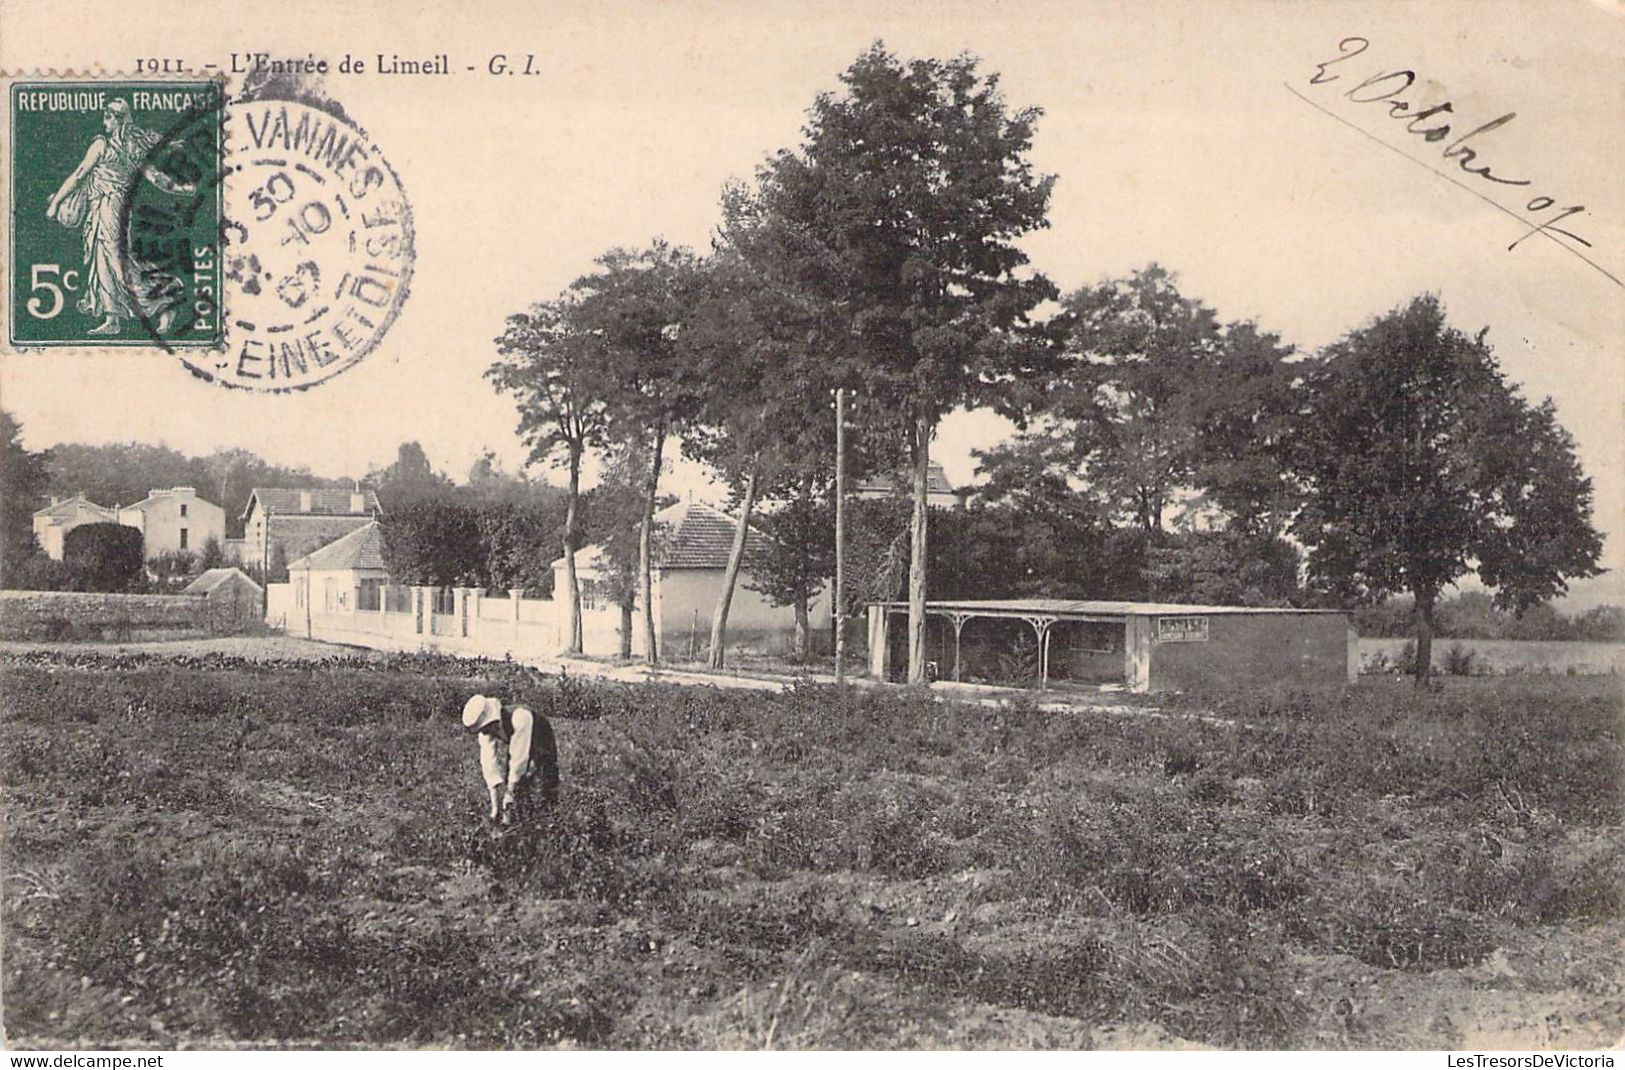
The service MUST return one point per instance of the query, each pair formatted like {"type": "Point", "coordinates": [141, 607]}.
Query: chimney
{"type": "Point", "coordinates": [304, 501]}
{"type": "Point", "coordinates": [358, 503]}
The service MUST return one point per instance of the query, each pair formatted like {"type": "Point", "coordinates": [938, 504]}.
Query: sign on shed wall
{"type": "Point", "coordinates": [1181, 629]}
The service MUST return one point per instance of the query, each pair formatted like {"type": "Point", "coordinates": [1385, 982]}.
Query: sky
{"type": "Point", "coordinates": [1183, 133]}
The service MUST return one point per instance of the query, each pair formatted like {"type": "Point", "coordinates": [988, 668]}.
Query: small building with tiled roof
{"type": "Point", "coordinates": [233, 598]}
{"type": "Point", "coordinates": [282, 524]}
{"type": "Point", "coordinates": [345, 575]}
{"type": "Point", "coordinates": [52, 523]}
{"type": "Point", "coordinates": [691, 547]}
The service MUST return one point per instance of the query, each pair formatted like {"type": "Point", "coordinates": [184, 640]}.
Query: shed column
{"type": "Point", "coordinates": [959, 620]}
{"type": "Point", "coordinates": [1137, 653]}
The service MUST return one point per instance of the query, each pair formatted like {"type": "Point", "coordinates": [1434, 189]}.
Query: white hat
{"type": "Point", "coordinates": [480, 711]}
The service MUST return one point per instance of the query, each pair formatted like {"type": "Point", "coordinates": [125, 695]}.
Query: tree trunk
{"type": "Point", "coordinates": [1424, 638]}
{"type": "Point", "coordinates": [803, 636]}
{"type": "Point", "coordinates": [916, 563]}
{"type": "Point", "coordinates": [645, 552]}
{"type": "Point", "coordinates": [736, 559]}
{"type": "Point", "coordinates": [626, 630]}
{"type": "Point", "coordinates": [572, 586]}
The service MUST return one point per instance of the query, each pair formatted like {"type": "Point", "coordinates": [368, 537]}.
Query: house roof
{"type": "Point", "coordinates": [170, 492]}
{"type": "Point", "coordinates": [361, 549]}
{"type": "Point", "coordinates": [1066, 607]}
{"type": "Point", "coordinates": [331, 501]}
{"type": "Point", "coordinates": [211, 578]}
{"type": "Point", "coordinates": [67, 506]}
{"type": "Point", "coordinates": [690, 535]}
{"type": "Point", "coordinates": [936, 481]}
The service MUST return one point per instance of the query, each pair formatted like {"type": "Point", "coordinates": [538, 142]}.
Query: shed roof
{"type": "Point", "coordinates": [1066, 607]}
{"type": "Point", "coordinates": [211, 578]}
{"type": "Point", "coordinates": [362, 549]}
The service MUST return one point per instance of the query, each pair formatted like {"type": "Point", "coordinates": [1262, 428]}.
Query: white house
{"type": "Point", "coordinates": [344, 576]}
{"type": "Point", "coordinates": [690, 560]}
{"type": "Point", "coordinates": [173, 519]}
{"type": "Point", "coordinates": [52, 524]}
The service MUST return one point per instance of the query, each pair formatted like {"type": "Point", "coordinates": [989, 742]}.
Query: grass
{"type": "Point", "coordinates": [222, 851]}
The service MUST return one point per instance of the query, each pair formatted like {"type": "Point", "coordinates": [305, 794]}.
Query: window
{"type": "Point", "coordinates": [183, 535]}
{"type": "Point", "coordinates": [183, 508]}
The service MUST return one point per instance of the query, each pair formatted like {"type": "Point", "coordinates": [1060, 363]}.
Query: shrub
{"type": "Point", "coordinates": [1459, 660]}
{"type": "Point", "coordinates": [103, 557]}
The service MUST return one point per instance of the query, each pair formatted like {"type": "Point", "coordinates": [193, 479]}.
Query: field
{"type": "Point", "coordinates": [208, 850]}
{"type": "Point", "coordinates": [1504, 657]}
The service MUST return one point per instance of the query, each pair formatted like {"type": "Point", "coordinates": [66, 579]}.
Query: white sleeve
{"type": "Point", "coordinates": [490, 764]}
{"type": "Point", "coordinates": [519, 747]}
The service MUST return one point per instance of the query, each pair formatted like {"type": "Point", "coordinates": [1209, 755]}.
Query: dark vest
{"type": "Point", "coordinates": [544, 751]}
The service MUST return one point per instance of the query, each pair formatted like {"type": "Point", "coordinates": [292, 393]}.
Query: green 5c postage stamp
{"type": "Point", "coordinates": [116, 191]}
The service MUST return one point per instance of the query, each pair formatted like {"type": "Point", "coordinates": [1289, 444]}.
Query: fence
{"type": "Point", "coordinates": [472, 622]}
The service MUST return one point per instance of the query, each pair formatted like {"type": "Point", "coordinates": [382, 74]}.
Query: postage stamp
{"type": "Point", "coordinates": [116, 214]}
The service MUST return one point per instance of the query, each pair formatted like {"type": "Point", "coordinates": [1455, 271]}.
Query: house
{"type": "Point", "coordinates": [690, 560]}
{"type": "Point", "coordinates": [233, 598]}
{"type": "Point", "coordinates": [52, 524]}
{"type": "Point", "coordinates": [939, 493]}
{"type": "Point", "coordinates": [290, 522]}
{"type": "Point", "coordinates": [175, 519]}
{"type": "Point", "coordinates": [344, 576]}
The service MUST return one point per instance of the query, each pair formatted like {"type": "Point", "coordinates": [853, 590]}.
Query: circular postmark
{"type": "Point", "coordinates": [316, 251]}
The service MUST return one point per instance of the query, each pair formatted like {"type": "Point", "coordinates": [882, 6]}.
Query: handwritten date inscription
{"type": "Point", "coordinates": [1436, 123]}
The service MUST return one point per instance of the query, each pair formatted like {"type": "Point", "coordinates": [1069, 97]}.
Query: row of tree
{"type": "Point", "coordinates": [1473, 615]}
{"type": "Point", "coordinates": [882, 257]}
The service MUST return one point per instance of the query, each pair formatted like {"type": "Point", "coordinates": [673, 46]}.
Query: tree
{"type": "Point", "coordinates": [1421, 464]}
{"type": "Point", "coordinates": [796, 559]}
{"type": "Point", "coordinates": [103, 557]}
{"type": "Point", "coordinates": [24, 477]}
{"type": "Point", "coordinates": [517, 542]}
{"type": "Point", "coordinates": [637, 304]}
{"type": "Point", "coordinates": [211, 555]}
{"type": "Point", "coordinates": [763, 415]}
{"type": "Point", "coordinates": [409, 478]}
{"type": "Point", "coordinates": [171, 567]}
{"type": "Point", "coordinates": [432, 538]}
{"type": "Point", "coordinates": [900, 215]}
{"type": "Point", "coordinates": [554, 368]}
{"type": "Point", "coordinates": [615, 511]}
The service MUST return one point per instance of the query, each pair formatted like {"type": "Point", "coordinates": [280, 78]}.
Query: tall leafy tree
{"type": "Point", "coordinates": [1421, 464]}
{"type": "Point", "coordinates": [637, 304]}
{"type": "Point", "coordinates": [24, 478]}
{"type": "Point", "coordinates": [555, 370]}
{"type": "Point", "coordinates": [900, 214]}
{"type": "Point", "coordinates": [614, 522]}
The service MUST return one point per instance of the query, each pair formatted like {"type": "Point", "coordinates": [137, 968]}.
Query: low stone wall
{"type": "Point", "coordinates": [78, 615]}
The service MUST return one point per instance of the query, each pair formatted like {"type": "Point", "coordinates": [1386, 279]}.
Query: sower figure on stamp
{"type": "Point", "coordinates": [117, 285]}
{"type": "Point", "coordinates": [518, 756]}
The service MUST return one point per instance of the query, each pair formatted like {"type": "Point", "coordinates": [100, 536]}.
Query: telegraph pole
{"type": "Point", "coordinates": [840, 536]}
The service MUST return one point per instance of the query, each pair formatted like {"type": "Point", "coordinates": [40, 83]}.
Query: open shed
{"type": "Point", "coordinates": [1139, 646]}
